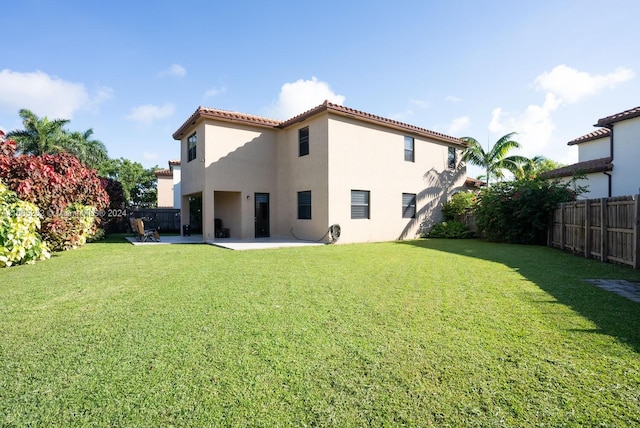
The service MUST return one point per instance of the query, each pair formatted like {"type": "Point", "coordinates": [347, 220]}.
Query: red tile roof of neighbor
{"type": "Point", "coordinates": [474, 182]}
{"type": "Point", "coordinates": [326, 106]}
{"type": "Point", "coordinates": [627, 114]}
{"type": "Point", "coordinates": [175, 162]}
{"type": "Point", "coordinates": [586, 167]}
{"type": "Point", "coordinates": [595, 135]}
{"type": "Point", "coordinates": [163, 173]}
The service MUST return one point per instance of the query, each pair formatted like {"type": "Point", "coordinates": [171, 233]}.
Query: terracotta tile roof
{"type": "Point", "coordinates": [224, 115]}
{"type": "Point", "coordinates": [599, 133]}
{"type": "Point", "coordinates": [627, 114]}
{"type": "Point", "coordinates": [586, 167]}
{"type": "Point", "coordinates": [174, 162]}
{"type": "Point", "coordinates": [474, 182]}
{"type": "Point", "coordinates": [163, 173]}
{"type": "Point", "coordinates": [371, 118]}
{"type": "Point", "coordinates": [231, 116]}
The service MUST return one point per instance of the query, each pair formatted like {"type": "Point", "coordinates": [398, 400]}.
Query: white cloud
{"type": "Point", "coordinates": [47, 95]}
{"type": "Point", "coordinates": [214, 91]}
{"type": "Point", "coordinates": [535, 125]}
{"type": "Point", "coordinates": [571, 85]}
{"type": "Point", "coordinates": [302, 95]}
{"type": "Point", "coordinates": [452, 99]}
{"type": "Point", "coordinates": [175, 70]}
{"type": "Point", "coordinates": [458, 125]}
{"type": "Point", "coordinates": [148, 113]}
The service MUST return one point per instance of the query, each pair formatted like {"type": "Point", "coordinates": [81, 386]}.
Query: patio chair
{"type": "Point", "coordinates": [145, 235]}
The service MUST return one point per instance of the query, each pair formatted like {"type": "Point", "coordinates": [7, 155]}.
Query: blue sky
{"type": "Point", "coordinates": [134, 71]}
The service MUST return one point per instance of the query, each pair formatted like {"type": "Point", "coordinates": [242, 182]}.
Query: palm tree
{"type": "Point", "coordinates": [535, 166]}
{"type": "Point", "coordinates": [43, 136]}
{"type": "Point", "coordinates": [40, 135]}
{"type": "Point", "coordinates": [495, 161]}
{"type": "Point", "coordinates": [90, 152]}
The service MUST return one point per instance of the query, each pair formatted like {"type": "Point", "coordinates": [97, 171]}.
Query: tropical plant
{"type": "Point", "coordinates": [90, 152]}
{"type": "Point", "coordinates": [451, 230]}
{"type": "Point", "coordinates": [42, 136]}
{"type": "Point", "coordinates": [458, 206]}
{"type": "Point", "coordinates": [495, 160]}
{"type": "Point", "coordinates": [531, 168]}
{"type": "Point", "coordinates": [19, 223]}
{"type": "Point", "coordinates": [519, 211]}
{"type": "Point", "coordinates": [64, 190]}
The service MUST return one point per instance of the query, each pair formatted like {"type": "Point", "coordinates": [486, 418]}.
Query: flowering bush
{"type": "Point", "coordinates": [458, 206]}
{"type": "Point", "coordinates": [520, 211]}
{"type": "Point", "coordinates": [19, 224]}
{"type": "Point", "coordinates": [59, 185]}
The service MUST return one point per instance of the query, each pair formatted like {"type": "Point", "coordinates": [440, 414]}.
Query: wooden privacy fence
{"type": "Point", "coordinates": [605, 229]}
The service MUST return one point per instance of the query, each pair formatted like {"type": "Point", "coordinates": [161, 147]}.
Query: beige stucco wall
{"type": "Point", "coordinates": [234, 161]}
{"type": "Point", "coordinates": [238, 158]}
{"type": "Point", "coordinates": [369, 157]}
{"type": "Point", "coordinates": [303, 173]}
{"type": "Point", "coordinates": [165, 191]}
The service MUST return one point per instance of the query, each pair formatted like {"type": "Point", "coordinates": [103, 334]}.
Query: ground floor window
{"type": "Point", "coordinates": [359, 204]}
{"type": "Point", "coordinates": [304, 205]}
{"type": "Point", "coordinates": [408, 205]}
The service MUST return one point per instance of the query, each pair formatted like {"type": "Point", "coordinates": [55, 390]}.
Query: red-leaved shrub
{"type": "Point", "coordinates": [58, 184]}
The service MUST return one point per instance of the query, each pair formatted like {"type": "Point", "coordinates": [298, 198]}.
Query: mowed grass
{"type": "Point", "coordinates": [417, 333]}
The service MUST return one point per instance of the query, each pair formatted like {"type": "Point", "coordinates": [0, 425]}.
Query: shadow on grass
{"type": "Point", "coordinates": [561, 275]}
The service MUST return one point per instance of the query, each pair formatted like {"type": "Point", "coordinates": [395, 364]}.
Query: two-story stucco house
{"type": "Point", "coordinates": [168, 186]}
{"type": "Point", "coordinates": [377, 178]}
{"type": "Point", "coordinates": [609, 157]}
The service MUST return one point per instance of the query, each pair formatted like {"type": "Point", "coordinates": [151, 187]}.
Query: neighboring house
{"type": "Point", "coordinates": [377, 178]}
{"type": "Point", "coordinates": [609, 157]}
{"type": "Point", "coordinates": [473, 184]}
{"type": "Point", "coordinates": [169, 193]}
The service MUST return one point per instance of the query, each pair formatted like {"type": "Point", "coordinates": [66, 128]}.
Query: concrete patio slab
{"type": "Point", "coordinates": [260, 243]}
{"type": "Point", "coordinates": [229, 243]}
{"type": "Point", "coordinates": [170, 239]}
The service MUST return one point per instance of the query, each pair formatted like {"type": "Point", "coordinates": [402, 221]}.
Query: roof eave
{"type": "Point", "coordinates": [202, 113]}
{"type": "Point", "coordinates": [372, 119]}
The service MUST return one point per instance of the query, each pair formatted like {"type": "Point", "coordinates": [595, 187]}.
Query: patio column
{"type": "Point", "coordinates": [208, 226]}
{"type": "Point", "coordinates": [185, 212]}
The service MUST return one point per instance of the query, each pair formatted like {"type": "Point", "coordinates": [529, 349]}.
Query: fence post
{"type": "Point", "coordinates": [587, 228]}
{"type": "Point", "coordinates": [636, 233]}
{"type": "Point", "coordinates": [604, 245]}
{"type": "Point", "coordinates": [562, 226]}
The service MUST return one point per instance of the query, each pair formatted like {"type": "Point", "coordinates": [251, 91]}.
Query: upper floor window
{"type": "Point", "coordinates": [451, 158]}
{"type": "Point", "coordinates": [409, 145]}
{"type": "Point", "coordinates": [408, 205]}
{"type": "Point", "coordinates": [303, 141]}
{"type": "Point", "coordinates": [192, 142]}
{"type": "Point", "coordinates": [359, 204]}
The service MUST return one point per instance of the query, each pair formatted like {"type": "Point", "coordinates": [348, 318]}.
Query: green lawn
{"type": "Point", "coordinates": [417, 333]}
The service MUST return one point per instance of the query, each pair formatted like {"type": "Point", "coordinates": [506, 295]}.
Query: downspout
{"type": "Point", "coordinates": [607, 173]}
